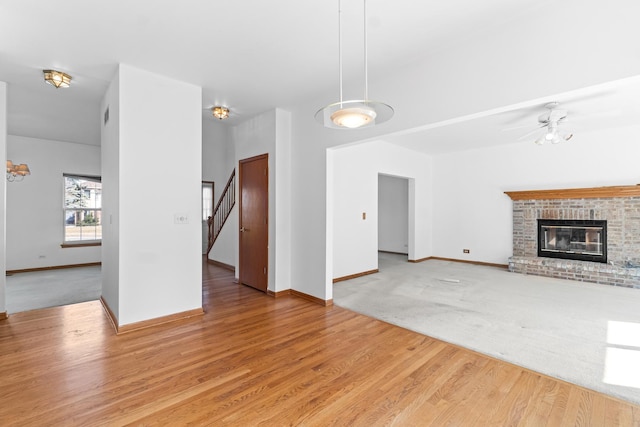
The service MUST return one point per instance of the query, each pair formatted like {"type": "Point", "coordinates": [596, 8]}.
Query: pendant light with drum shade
{"type": "Point", "coordinates": [353, 114]}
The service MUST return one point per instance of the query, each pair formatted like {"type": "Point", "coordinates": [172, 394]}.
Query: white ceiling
{"type": "Point", "coordinates": [599, 107]}
{"type": "Point", "coordinates": [250, 55]}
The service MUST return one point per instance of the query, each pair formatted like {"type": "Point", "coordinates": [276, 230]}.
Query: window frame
{"type": "Point", "coordinates": [79, 243]}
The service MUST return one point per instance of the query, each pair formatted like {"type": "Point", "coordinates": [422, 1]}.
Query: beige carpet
{"type": "Point", "coordinates": [584, 333]}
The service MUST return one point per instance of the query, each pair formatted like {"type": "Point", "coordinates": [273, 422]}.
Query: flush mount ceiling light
{"type": "Point", "coordinates": [57, 78]}
{"type": "Point", "coordinates": [353, 114]}
{"type": "Point", "coordinates": [220, 113]}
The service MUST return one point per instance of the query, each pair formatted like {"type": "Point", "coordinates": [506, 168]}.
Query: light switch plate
{"type": "Point", "coordinates": [180, 218]}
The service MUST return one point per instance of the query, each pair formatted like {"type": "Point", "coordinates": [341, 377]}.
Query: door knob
{"type": "Point", "coordinates": [242, 229]}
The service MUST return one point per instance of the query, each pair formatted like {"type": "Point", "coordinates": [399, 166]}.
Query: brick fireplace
{"type": "Point", "coordinates": [618, 206]}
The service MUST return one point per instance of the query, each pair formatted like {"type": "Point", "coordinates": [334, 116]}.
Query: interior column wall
{"type": "Point", "coordinates": [110, 159]}
{"type": "Point", "coordinates": [3, 198]}
{"type": "Point", "coordinates": [158, 211]}
{"type": "Point", "coordinates": [282, 208]}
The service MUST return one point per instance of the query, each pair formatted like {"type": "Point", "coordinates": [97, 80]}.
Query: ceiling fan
{"type": "Point", "coordinates": [551, 121]}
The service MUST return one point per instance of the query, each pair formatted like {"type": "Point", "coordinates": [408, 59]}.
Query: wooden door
{"type": "Point", "coordinates": [254, 223]}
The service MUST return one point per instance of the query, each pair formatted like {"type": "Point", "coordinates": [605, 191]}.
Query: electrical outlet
{"type": "Point", "coordinates": [465, 251]}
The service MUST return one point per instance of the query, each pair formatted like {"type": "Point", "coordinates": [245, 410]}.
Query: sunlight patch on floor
{"type": "Point", "coordinates": [623, 356]}
{"type": "Point", "coordinates": [623, 333]}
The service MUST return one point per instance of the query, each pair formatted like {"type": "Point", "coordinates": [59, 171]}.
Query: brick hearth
{"type": "Point", "coordinates": [619, 206]}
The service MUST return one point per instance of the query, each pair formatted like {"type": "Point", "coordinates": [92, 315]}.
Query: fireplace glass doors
{"type": "Point", "coordinates": [573, 239]}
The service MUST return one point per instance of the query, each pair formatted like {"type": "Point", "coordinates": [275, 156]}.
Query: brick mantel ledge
{"type": "Point", "coordinates": [577, 193]}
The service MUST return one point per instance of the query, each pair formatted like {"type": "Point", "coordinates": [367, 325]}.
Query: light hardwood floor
{"type": "Point", "coordinates": [255, 360]}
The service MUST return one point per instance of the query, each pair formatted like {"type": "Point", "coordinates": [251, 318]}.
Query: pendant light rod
{"type": "Point", "coordinates": [354, 113]}
{"type": "Point", "coordinates": [340, 45]}
{"type": "Point", "coordinates": [366, 74]}
{"type": "Point", "coordinates": [366, 57]}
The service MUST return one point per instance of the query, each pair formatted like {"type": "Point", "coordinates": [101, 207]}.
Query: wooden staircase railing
{"type": "Point", "coordinates": [223, 209]}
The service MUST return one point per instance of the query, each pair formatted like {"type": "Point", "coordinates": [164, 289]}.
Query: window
{"type": "Point", "coordinates": [207, 199]}
{"type": "Point", "coordinates": [82, 209]}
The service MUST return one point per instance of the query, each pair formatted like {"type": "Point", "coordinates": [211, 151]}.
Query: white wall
{"type": "Point", "coordinates": [470, 207]}
{"type": "Point", "coordinates": [3, 159]}
{"type": "Point", "coordinates": [282, 211]}
{"type": "Point", "coordinates": [110, 156]}
{"type": "Point", "coordinates": [159, 260]}
{"type": "Point", "coordinates": [217, 154]}
{"type": "Point", "coordinates": [225, 248]}
{"type": "Point", "coordinates": [311, 235]}
{"type": "Point", "coordinates": [218, 161]}
{"type": "Point", "coordinates": [35, 205]}
{"type": "Point", "coordinates": [355, 191]}
{"type": "Point", "coordinates": [393, 214]}
{"type": "Point", "coordinates": [270, 133]}
{"type": "Point", "coordinates": [255, 137]}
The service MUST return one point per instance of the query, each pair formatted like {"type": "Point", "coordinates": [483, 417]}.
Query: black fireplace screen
{"type": "Point", "coordinates": [584, 240]}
